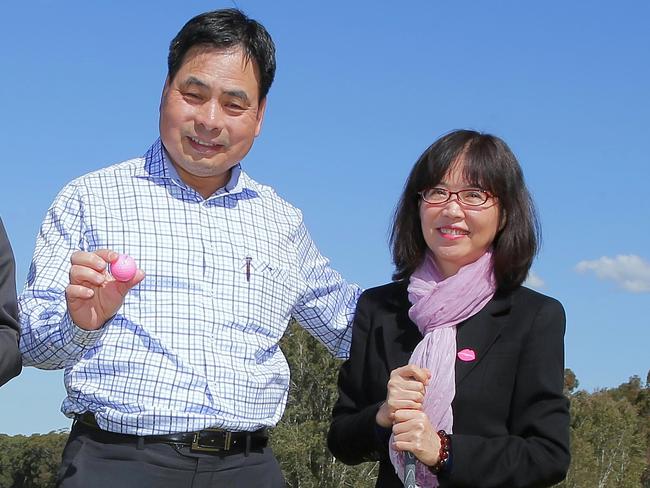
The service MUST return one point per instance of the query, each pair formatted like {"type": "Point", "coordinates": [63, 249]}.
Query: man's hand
{"type": "Point", "coordinates": [405, 390]}
{"type": "Point", "coordinates": [93, 295]}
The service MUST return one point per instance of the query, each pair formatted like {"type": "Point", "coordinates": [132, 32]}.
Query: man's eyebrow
{"type": "Point", "coordinates": [241, 94]}
{"type": "Point", "coordinates": [192, 80]}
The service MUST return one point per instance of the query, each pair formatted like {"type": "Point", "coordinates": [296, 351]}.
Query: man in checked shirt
{"type": "Point", "coordinates": [173, 376]}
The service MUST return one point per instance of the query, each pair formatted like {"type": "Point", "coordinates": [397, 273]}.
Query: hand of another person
{"type": "Point", "coordinates": [413, 432]}
{"type": "Point", "coordinates": [93, 295]}
{"type": "Point", "coordinates": [405, 390]}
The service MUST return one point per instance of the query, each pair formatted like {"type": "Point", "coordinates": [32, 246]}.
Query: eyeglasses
{"type": "Point", "coordinates": [469, 197]}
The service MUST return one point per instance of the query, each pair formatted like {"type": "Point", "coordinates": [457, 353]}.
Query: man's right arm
{"type": "Point", "coordinates": [9, 355]}
{"type": "Point", "coordinates": [49, 339]}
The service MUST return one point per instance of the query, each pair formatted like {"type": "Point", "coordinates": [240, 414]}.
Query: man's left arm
{"type": "Point", "coordinates": [327, 302]}
{"type": "Point", "coordinates": [10, 363]}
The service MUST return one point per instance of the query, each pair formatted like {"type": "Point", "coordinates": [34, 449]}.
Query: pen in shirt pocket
{"type": "Point", "coordinates": [248, 268]}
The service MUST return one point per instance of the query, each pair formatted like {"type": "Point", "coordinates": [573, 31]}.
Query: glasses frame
{"type": "Point", "coordinates": [487, 194]}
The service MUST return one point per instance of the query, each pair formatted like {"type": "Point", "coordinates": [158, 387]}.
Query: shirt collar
{"type": "Point", "coordinates": [158, 165]}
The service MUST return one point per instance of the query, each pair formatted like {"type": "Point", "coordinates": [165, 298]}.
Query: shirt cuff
{"type": "Point", "coordinates": [82, 338]}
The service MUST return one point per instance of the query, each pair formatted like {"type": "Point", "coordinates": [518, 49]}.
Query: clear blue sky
{"type": "Point", "coordinates": [362, 89]}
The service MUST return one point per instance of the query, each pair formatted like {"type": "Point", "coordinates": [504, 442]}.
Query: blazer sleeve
{"type": "Point", "coordinates": [10, 363]}
{"type": "Point", "coordinates": [354, 436]}
{"type": "Point", "coordinates": [536, 451]}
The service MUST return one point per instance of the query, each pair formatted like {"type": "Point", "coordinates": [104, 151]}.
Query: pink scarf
{"type": "Point", "coordinates": [438, 305]}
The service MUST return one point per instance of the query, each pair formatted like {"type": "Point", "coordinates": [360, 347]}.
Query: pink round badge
{"type": "Point", "coordinates": [124, 268]}
{"type": "Point", "coordinates": [466, 355]}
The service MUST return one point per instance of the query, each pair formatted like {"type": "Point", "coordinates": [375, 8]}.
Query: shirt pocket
{"type": "Point", "coordinates": [263, 296]}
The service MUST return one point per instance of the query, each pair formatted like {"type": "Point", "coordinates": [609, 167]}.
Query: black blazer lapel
{"type": "Point", "coordinates": [400, 341]}
{"type": "Point", "coordinates": [478, 333]}
{"type": "Point", "coordinates": [400, 334]}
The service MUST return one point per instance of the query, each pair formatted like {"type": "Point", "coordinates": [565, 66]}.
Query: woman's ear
{"type": "Point", "coordinates": [503, 218]}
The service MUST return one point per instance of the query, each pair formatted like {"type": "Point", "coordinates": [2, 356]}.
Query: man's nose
{"type": "Point", "coordinates": [211, 116]}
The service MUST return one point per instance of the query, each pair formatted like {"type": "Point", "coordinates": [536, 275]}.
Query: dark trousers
{"type": "Point", "coordinates": [88, 463]}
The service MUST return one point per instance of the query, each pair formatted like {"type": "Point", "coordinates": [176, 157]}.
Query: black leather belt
{"type": "Point", "coordinates": [207, 440]}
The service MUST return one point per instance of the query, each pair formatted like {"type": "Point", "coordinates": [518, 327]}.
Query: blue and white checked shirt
{"type": "Point", "coordinates": [196, 343]}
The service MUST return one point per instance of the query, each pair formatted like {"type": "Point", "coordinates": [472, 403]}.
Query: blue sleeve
{"type": "Point", "coordinates": [327, 303]}
{"type": "Point", "coordinates": [49, 339]}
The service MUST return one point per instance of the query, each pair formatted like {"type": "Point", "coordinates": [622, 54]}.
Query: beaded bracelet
{"type": "Point", "coordinates": [443, 453]}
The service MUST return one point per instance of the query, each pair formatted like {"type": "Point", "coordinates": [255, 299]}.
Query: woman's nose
{"type": "Point", "coordinates": [453, 207]}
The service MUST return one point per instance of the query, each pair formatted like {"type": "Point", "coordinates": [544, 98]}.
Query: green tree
{"type": "Point", "coordinates": [571, 382]}
{"type": "Point", "coordinates": [638, 395]}
{"type": "Point", "coordinates": [30, 462]}
{"type": "Point", "coordinates": [608, 442]}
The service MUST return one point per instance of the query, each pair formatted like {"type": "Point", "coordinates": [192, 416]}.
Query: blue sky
{"type": "Point", "coordinates": [362, 89]}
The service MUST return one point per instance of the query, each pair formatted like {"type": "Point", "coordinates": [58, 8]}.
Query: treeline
{"type": "Point", "coordinates": [610, 433]}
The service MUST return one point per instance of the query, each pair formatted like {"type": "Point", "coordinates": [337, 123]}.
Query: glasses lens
{"type": "Point", "coordinates": [473, 197]}
{"type": "Point", "coordinates": [435, 195]}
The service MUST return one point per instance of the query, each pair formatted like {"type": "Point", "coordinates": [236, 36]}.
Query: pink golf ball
{"type": "Point", "coordinates": [124, 268]}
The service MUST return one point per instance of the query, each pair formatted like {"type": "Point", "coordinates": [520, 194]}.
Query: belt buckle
{"type": "Point", "coordinates": [197, 446]}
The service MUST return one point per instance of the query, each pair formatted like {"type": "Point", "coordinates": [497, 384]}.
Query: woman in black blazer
{"type": "Point", "coordinates": [467, 217]}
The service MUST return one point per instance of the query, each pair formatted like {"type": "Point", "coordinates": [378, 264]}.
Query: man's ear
{"type": "Point", "coordinates": [261, 108]}
{"type": "Point", "coordinates": [164, 92]}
